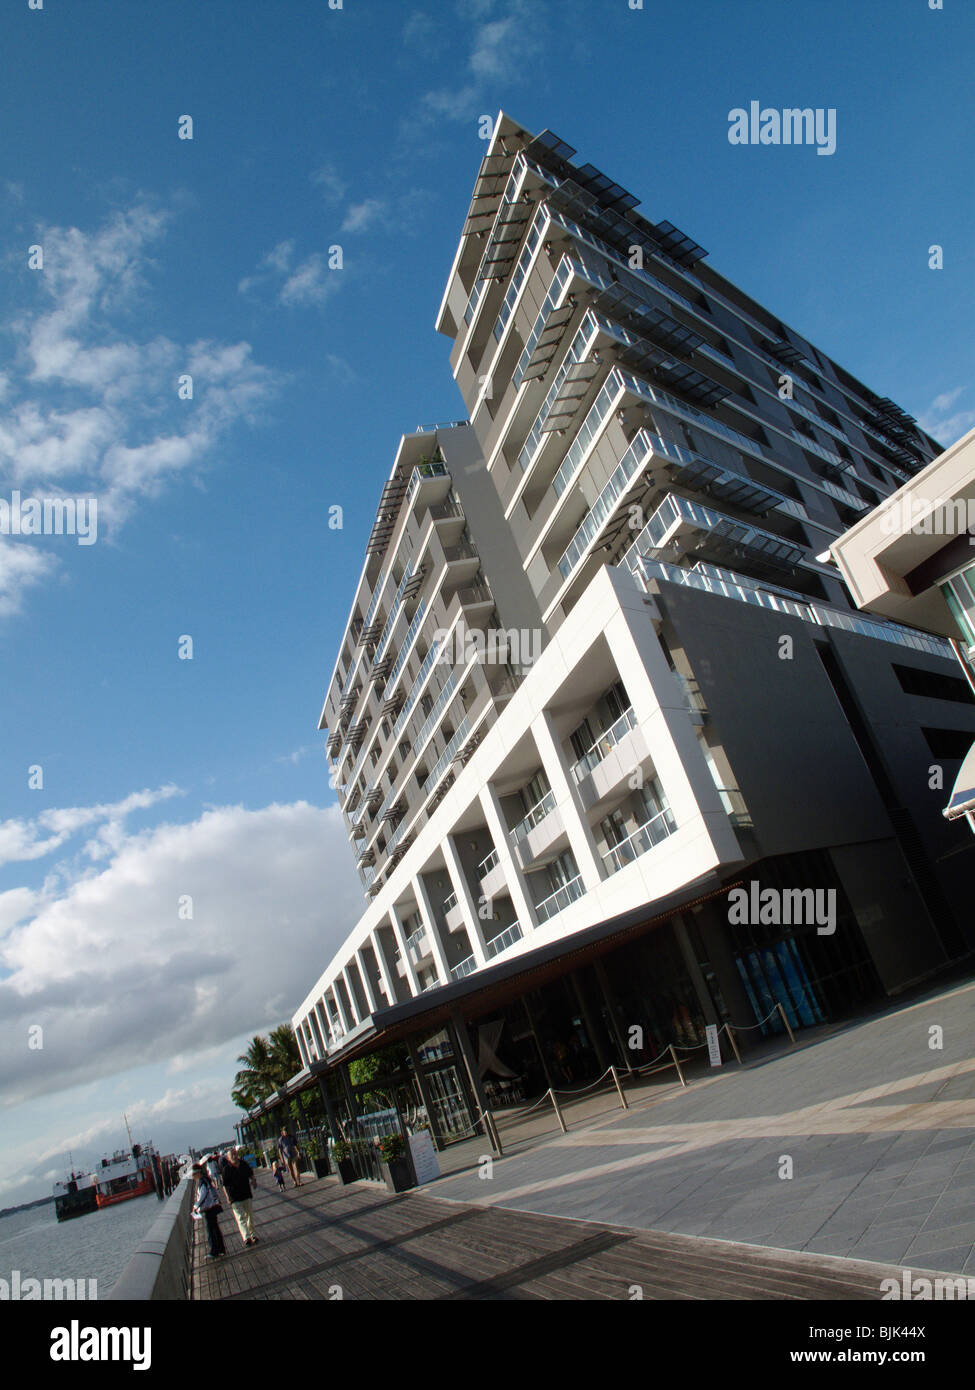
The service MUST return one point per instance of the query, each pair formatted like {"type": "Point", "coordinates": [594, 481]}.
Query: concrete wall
{"type": "Point", "coordinates": [160, 1267]}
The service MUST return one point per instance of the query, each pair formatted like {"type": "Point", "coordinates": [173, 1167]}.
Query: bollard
{"type": "Point", "coordinates": [494, 1134]}
{"type": "Point", "coordinates": [792, 1036]}
{"type": "Point", "coordinates": [624, 1104]}
{"type": "Point", "coordinates": [677, 1065]}
{"type": "Point", "coordinates": [558, 1112]}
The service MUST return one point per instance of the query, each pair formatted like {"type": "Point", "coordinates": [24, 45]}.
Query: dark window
{"type": "Point", "coordinates": [949, 743]}
{"type": "Point", "coordinates": [916, 681]}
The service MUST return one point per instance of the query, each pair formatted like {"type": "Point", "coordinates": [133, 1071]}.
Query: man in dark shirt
{"type": "Point", "coordinates": [237, 1177]}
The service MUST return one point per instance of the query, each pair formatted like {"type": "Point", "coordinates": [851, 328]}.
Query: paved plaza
{"type": "Point", "coordinates": [879, 1126]}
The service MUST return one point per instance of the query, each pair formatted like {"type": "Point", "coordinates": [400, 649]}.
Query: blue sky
{"type": "Point", "coordinates": [315, 127]}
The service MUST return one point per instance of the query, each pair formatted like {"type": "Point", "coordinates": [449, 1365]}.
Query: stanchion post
{"type": "Point", "coordinates": [677, 1065]}
{"type": "Point", "coordinates": [558, 1112]}
{"type": "Point", "coordinates": [734, 1046]}
{"type": "Point", "coordinates": [624, 1103]}
{"type": "Point", "coordinates": [495, 1133]}
{"type": "Point", "coordinates": [792, 1036]}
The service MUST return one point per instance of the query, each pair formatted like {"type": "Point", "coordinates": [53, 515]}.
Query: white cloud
{"type": "Point", "coordinates": [117, 979]}
{"type": "Point", "coordinates": [330, 182]}
{"type": "Point", "coordinates": [503, 45]}
{"type": "Point", "coordinates": [361, 215]}
{"type": "Point", "coordinates": [309, 283]}
{"type": "Point", "coordinates": [945, 424]}
{"type": "Point", "coordinates": [23, 840]}
{"type": "Point", "coordinates": [91, 405]}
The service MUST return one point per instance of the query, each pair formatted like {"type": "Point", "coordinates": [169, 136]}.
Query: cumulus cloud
{"type": "Point", "coordinates": [946, 423]}
{"type": "Point", "coordinates": [503, 44]}
{"type": "Point", "coordinates": [362, 215]}
{"type": "Point", "coordinates": [293, 281]}
{"type": "Point", "coordinates": [91, 405]}
{"type": "Point", "coordinates": [22, 840]}
{"type": "Point", "coordinates": [118, 975]}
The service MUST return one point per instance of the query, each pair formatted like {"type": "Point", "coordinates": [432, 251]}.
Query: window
{"type": "Point", "coordinates": [914, 680]}
{"type": "Point", "coordinates": [949, 743]}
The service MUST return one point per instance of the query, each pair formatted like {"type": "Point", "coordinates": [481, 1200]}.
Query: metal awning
{"type": "Point", "coordinates": [962, 801]}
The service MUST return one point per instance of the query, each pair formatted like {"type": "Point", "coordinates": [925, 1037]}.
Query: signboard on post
{"type": "Point", "coordinates": [714, 1046]}
{"type": "Point", "coordinates": [424, 1156]}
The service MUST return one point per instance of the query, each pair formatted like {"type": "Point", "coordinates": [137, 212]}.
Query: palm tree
{"type": "Point", "coordinates": [257, 1076]}
{"type": "Point", "coordinates": [283, 1048]}
{"type": "Point", "coordinates": [268, 1064]}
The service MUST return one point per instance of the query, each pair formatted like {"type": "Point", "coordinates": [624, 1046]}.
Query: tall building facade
{"type": "Point", "coordinates": [613, 748]}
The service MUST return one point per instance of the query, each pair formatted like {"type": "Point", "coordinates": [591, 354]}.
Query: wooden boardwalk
{"type": "Point", "coordinates": [327, 1241]}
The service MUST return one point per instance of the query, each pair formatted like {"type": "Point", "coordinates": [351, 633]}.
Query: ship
{"type": "Point", "coordinates": [76, 1196]}
{"type": "Point", "coordinates": [128, 1173]}
{"type": "Point", "coordinates": [125, 1175]}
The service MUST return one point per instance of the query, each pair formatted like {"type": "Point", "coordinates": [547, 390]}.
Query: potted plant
{"type": "Point", "coordinates": [319, 1160]}
{"type": "Point", "coordinates": [396, 1165]}
{"type": "Point", "coordinates": [342, 1153]}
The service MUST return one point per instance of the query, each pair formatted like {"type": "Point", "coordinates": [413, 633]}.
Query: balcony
{"type": "Point", "coordinates": [418, 945]}
{"type": "Point", "coordinates": [534, 817]}
{"type": "Point", "coordinates": [504, 939]}
{"type": "Point", "coordinates": [453, 913]}
{"type": "Point", "coordinates": [423, 473]}
{"type": "Point", "coordinates": [644, 838]}
{"type": "Point", "coordinates": [604, 745]}
{"type": "Point", "coordinates": [491, 876]}
{"type": "Point", "coordinates": [466, 967]}
{"type": "Point", "coordinates": [539, 833]}
{"type": "Point", "coordinates": [559, 900]}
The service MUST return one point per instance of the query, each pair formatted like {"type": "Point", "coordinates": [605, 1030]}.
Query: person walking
{"type": "Point", "coordinates": [237, 1176]}
{"type": "Point", "coordinates": [289, 1152]}
{"type": "Point", "coordinates": [279, 1175]}
{"type": "Point", "coordinates": [207, 1206]}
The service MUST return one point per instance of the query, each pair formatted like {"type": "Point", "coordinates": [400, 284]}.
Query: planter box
{"type": "Point", "coordinates": [321, 1167]}
{"type": "Point", "coordinates": [399, 1175]}
{"type": "Point", "coordinates": [346, 1170]}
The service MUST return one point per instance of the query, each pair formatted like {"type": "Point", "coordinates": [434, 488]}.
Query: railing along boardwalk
{"type": "Point", "coordinates": [361, 1242]}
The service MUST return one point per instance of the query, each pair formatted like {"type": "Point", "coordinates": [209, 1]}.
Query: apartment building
{"type": "Point", "coordinates": [599, 671]}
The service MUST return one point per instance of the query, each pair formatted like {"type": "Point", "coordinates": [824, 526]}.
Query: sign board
{"type": "Point", "coordinates": [424, 1157]}
{"type": "Point", "coordinates": [714, 1047]}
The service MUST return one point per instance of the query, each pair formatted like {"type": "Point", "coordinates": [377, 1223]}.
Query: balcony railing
{"type": "Point", "coordinates": [417, 687]}
{"type": "Point", "coordinates": [437, 709]}
{"type": "Point", "coordinates": [537, 813]}
{"type": "Point", "coordinates": [648, 569]}
{"type": "Point", "coordinates": [449, 902]}
{"type": "Point", "coordinates": [420, 474]}
{"type": "Point", "coordinates": [387, 631]}
{"type": "Point", "coordinates": [734, 803]}
{"type": "Point", "coordinates": [466, 967]}
{"type": "Point", "coordinates": [560, 899]}
{"type": "Point", "coordinates": [413, 943]}
{"type": "Point", "coordinates": [604, 745]}
{"type": "Point", "coordinates": [645, 836]}
{"type": "Point", "coordinates": [407, 646]}
{"type": "Point", "coordinates": [489, 862]}
{"type": "Point", "coordinates": [504, 939]}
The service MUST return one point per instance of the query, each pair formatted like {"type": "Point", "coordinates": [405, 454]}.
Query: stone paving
{"type": "Point", "coordinates": [878, 1124]}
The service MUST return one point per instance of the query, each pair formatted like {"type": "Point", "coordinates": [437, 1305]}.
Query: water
{"type": "Point", "coordinates": [95, 1246]}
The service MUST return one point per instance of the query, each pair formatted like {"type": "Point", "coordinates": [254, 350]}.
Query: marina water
{"type": "Point", "coordinates": [96, 1246]}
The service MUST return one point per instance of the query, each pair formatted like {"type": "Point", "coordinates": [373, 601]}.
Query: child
{"type": "Point", "coordinates": [279, 1175]}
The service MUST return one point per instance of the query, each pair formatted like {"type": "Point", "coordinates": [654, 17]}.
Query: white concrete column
{"type": "Point", "coordinates": [515, 879]}
{"type": "Point", "coordinates": [353, 1001]}
{"type": "Point", "coordinates": [324, 1021]}
{"type": "Point", "coordinates": [581, 839]}
{"type": "Point", "coordinates": [430, 922]}
{"type": "Point", "coordinates": [302, 1045]}
{"type": "Point", "coordinates": [317, 1034]}
{"type": "Point", "coordinates": [386, 972]}
{"type": "Point", "coordinates": [364, 976]}
{"type": "Point", "coordinates": [458, 880]}
{"type": "Point", "coordinates": [398, 931]}
{"type": "Point", "coordinates": [338, 1022]}
{"type": "Point", "coordinates": [347, 1021]}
